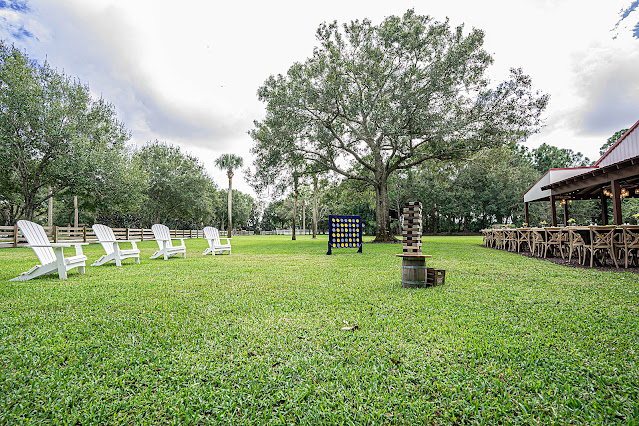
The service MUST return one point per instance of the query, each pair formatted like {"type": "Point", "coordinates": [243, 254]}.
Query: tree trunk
{"type": "Point", "coordinates": [314, 207]}
{"type": "Point", "coordinates": [303, 217]}
{"type": "Point", "coordinates": [435, 222]}
{"type": "Point", "coordinates": [382, 218]}
{"type": "Point", "coordinates": [50, 210]}
{"type": "Point", "coordinates": [75, 211]}
{"type": "Point", "coordinates": [230, 198]}
{"type": "Point", "coordinates": [294, 214]}
{"type": "Point", "coordinates": [295, 195]}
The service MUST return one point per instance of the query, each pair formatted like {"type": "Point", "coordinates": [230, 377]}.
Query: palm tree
{"type": "Point", "coordinates": [229, 162]}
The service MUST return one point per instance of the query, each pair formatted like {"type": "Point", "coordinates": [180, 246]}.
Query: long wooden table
{"type": "Point", "coordinates": [600, 243]}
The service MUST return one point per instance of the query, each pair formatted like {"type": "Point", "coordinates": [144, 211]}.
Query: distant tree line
{"type": "Point", "coordinates": [457, 197]}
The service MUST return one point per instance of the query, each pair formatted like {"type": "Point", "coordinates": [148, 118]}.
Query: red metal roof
{"type": "Point", "coordinates": [614, 145]}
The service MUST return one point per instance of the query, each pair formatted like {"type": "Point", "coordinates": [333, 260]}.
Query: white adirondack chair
{"type": "Point", "coordinates": [163, 237]}
{"type": "Point", "coordinates": [212, 236]}
{"type": "Point", "coordinates": [111, 246]}
{"type": "Point", "coordinates": [51, 255]}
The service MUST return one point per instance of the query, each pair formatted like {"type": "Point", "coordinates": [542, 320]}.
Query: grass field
{"type": "Point", "coordinates": [256, 337]}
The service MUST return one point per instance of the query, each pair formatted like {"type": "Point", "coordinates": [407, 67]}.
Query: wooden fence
{"type": "Point", "coordinates": [10, 236]}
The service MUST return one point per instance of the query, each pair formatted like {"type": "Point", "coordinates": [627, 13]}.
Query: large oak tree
{"type": "Point", "coordinates": [374, 100]}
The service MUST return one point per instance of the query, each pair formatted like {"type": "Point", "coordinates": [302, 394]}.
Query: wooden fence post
{"type": "Point", "coordinates": [141, 234]}
{"type": "Point", "coordinates": [15, 235]}
{"type": "Point", "coordinates": [84, 232]}
{"type": "Point", "coordinates": [55, 234]}
{"type": "Point", "coordinates": [126, 234]}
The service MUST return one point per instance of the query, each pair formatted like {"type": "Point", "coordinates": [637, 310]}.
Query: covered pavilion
{"type": "Point", "coordinates": [615, 175]}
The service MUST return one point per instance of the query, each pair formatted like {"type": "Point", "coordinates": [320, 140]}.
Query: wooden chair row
{"type": "Point", "coordinates": [600, 243]}
{"type": "Point", "coordinates": [52, 259]}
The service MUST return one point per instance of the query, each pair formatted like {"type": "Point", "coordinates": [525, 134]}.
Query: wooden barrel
{"type": "Point", "coordinates": [414, 271]}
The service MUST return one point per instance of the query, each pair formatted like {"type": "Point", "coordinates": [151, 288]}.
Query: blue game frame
{"type": "Point", "coordinates": [344, 232]}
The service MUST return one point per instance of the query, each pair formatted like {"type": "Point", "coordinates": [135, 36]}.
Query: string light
{"type": "Point", "coordinates": [622, 194]}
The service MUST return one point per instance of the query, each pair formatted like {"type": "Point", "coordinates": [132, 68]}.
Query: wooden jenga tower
{"type": "Point", "coordinates": [414, 270]}
{"type": "Point", "coordinates": [412, 228]}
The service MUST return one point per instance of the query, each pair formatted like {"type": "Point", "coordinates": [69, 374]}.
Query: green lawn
{"type": "Point", "coordinates": [256, 337]}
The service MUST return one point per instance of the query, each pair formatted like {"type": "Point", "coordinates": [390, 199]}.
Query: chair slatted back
{"type": "Point", "coordinates": [161, 232]}
{"type": "Point", "coordinates": [554, 236]}
{"type": "Point", "coordinates": [575, 238]}
{"type": "Point", "coordinates": [104, 233]}
{"type": "Point", "coordinates": [211, 233]}
{"type": "Point", "coordinates": [208, 232]}
{"type": "Point", "coordinates": [523, 237]}
{"type": "Point", "coordinates": [35, 234]}
{"type": "Point", "coordinates": [538, 239]}
{"type": "Point", "coordinates": [631, 236]}
{"type": "Point", "coordinates": [602, 236]}
{"type": "Point", "coordinates": [538, 235]}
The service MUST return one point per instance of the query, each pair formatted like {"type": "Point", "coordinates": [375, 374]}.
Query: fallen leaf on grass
{"type": "Point", "coordinates": [350, 328]}
{"type": "Point", "coordinates": [395, 361]}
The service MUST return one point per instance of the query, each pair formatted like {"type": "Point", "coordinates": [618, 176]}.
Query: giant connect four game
{"type": "Point", "coordinates": [344, 232]}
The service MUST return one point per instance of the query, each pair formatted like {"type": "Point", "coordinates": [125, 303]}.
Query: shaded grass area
{"type": "Point", "coordinates": [256, 337]}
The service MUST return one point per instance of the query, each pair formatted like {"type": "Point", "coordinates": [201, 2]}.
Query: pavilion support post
{"type": "Point", "coordinates": [553, 211]}
{"type": "Point", "coordinates": [526, 214]}
{"type": "Point", "coordinates": [566, 213]}
{"type": "Point", "coordinates": [604, 209]}
{"type": "Point", "coordinates": [616, 201]}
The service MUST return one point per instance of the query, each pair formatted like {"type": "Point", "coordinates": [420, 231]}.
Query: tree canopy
{"type": "Point", "coordinates": [547, 157]}
{"type": "Point", "coordinates": [52, 134]}
{"type": "Point", "coordinates": [375, 100]}
{"type": "Point", "coordinates": [611, 140]}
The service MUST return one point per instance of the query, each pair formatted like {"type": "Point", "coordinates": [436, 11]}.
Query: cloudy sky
{"type": "Point", "coordinates": [187, 71]}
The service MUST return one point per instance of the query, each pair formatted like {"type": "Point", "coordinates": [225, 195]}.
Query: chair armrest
{"type": "Point", "coordinates": [57, 245]}
{"type": "Point", "coordinates": [181, 240]}
{"type": "Point", "coordinates": [78, 248]}
{"type": "Point", "coordinates": [224, 238]}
